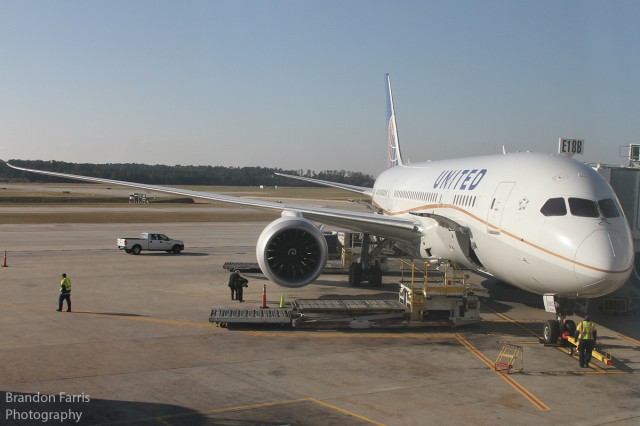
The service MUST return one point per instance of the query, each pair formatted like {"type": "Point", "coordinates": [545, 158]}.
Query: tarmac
{"type": "Point", "coordinates": [137, 348]}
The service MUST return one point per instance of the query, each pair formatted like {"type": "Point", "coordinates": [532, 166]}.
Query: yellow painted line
{"type": "Point", "coordinates": [305, 333]}
{"type": "Point", "coordinates": [167, 419]}
{"type": "Point", "coordinates": [350, 335]}
{"type": "Point", "coordinates": [596, 355]}
{"type": "Point", "coordinates": [342, 410]}
{"type": "Point", "coordinates": [517, 386]}
{"type": "Point", "coordinates": [628, 339]}
{"type": "Point", "coordinates": [117, 316]}
{"type": "Point", "coordinates": [575, 356]}
{"type": "Point", "coordinates": [514, 322]}
{"type": "Point", "coordinates": [152, 320]}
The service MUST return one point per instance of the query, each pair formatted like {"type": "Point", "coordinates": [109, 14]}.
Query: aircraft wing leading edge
{"type": "Point", "coordinates": [384, 226]}
{"type": "Point", "coordinates": [353, 188]}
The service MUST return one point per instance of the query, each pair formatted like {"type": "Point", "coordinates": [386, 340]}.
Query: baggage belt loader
{"type": "Point", "coordinates": [435, 295]}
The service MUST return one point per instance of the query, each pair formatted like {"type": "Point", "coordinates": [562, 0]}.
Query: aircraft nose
{"type": "Point", "coordinates": [603, 261]}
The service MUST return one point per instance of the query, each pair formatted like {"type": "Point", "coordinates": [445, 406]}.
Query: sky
{"type": "Point", "coordinates": [300, 84]}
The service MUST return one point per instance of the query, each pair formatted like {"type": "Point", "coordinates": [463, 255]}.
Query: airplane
{"type": "Point", "coordinates": [544, 223]}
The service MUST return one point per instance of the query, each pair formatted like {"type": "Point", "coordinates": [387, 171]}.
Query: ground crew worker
{"type": "Point", "coordinates": [65, 293]}
{"type": "Point", "coordinates": [237, 283]}
{"type": "Point", "coordinates": [586, 334]}
{"type": "Point", "coordinates": [232, 283]}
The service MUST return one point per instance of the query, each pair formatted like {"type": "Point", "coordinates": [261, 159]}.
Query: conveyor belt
{"type": "Point", "coordinates": [347, 305]}
{"type": "Point", "coordinates": [269, 315]}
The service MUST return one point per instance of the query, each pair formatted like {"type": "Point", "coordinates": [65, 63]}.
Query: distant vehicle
{"type": "Point", "coordinates": [151, 242]}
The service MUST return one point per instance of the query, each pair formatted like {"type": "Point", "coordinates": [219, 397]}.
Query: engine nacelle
{"type": "Point", "coordinates": [291, 251]}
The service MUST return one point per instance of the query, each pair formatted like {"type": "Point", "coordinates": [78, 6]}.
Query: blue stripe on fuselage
{"type": "Point", "coordinates": [459, 179]}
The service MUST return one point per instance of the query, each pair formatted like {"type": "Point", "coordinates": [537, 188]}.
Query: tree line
{"type": "Point", "coordinates": [178, 175]}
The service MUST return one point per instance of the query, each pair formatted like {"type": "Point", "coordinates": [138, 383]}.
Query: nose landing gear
{"type": "Point", "coordinates": [561, 327]}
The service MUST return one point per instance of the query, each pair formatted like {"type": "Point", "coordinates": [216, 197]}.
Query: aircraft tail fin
{"type": "Point", "coordinates": [393, 148]}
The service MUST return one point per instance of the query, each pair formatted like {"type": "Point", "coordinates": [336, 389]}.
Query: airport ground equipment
{"type": "Point", "coordinates": [242, 266]}
{"type": "Point", "coordinates": [432, 297]}
{"type": "Point", "coordinates": [621, 305]}
{"type": "Point", "coordinates": [439, 292]}
{"type": "Point", "coordinates": [603, 357]}
{"type": "Point", "coordinates": [567, 340]}
{"type": "Point", "coordinates": [150, 241]}
{"type": "Point", "coordinates": [508, 357]}
{"type": "Point", "coordinates": [225, 316]}
{"type": "Point", "coordinates": [137, 197]}
{"type": "Point", "coordinates": [355, 313]}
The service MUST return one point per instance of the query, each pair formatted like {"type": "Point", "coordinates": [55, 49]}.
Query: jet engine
{"type": "Point", "coordinates": [291, 251]}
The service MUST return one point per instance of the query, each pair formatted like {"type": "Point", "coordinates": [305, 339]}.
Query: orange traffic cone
{"type": "Point", "coordinates": [264, 297]}
{"type": "Point", "coordinates": [4, 264]}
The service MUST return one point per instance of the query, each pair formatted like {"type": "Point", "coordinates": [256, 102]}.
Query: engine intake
{"type": "Point", "coordinates": [291, 251]}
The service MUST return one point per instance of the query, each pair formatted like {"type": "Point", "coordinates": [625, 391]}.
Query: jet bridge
{"type": "Point", "coordinates": [625, 181]}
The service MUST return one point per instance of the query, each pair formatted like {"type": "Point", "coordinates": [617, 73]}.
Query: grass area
{"type": "Point", "coordinates": [147, 216]}
{"type": "Point", "coordinates": [114, 208]}
{"type": "Point", "coordinates": [79, 192]}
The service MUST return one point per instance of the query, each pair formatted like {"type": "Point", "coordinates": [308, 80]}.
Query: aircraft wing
{"type": "Point", "coordinates": [385, 226]}
{"type": "Point", "coordinates": [353, 188]}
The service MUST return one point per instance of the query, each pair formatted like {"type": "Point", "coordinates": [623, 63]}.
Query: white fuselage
{"type": "Point", "coordinates": [503, 215]}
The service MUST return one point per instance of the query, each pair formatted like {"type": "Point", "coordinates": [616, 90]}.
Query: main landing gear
{"type": "Point", "coordinates": [368, 269]}
{"type": "Point", "coordinates": [563, 307]}
{"type": "Point", "coordinates": [357, 275]}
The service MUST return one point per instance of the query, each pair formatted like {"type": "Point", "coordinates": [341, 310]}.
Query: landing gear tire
{"type": "Point", "coordinates": [355, 274]}
{"type": "Point", "coordinates": [551, 332]}
{"type": "Point", "coordinates": [375, 276]}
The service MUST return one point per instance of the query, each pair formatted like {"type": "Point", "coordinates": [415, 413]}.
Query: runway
{"type": "Point", "coordinates": [138, 347]}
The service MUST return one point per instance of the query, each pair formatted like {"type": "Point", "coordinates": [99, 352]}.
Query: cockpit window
{"type": "Point", "coordinates": [554, 207]}
{"type": "Point", "coordinates": [608, 208]}
{"type": "Point", "coordinates": [583, 208]}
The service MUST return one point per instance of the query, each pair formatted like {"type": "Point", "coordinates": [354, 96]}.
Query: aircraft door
{"type": "Point", "coordinates": [496, 208]}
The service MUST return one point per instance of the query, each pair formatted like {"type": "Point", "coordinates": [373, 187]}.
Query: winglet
{"type": "Point", "coordinates": [393, 148]}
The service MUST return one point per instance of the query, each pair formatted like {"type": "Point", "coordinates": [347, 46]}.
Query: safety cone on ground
{"type": "Point", "coordinates": [281, 301]}
{"type": "Point", "coordinates": [264, 297]}
{"type": "Point", "coordinates": [4, 263]}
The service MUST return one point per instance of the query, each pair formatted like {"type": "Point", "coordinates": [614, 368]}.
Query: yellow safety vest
{"type": "Point", "coordinates": [586, 329]}
{"type": "Point", "coordinates": [66, 283]}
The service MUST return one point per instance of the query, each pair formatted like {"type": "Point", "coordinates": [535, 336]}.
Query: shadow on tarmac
{"type": "Point", "coordinates": [37, 409]}
{"type": "Point", "coordinates": [115, 314]}
{"type": "Point", "coordinates": [63, 408]}
{"type": "Point", "coordinates": [184, 253]}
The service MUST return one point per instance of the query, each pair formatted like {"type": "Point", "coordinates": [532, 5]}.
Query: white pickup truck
{"type": "Point", "coordinates": [150, 241]}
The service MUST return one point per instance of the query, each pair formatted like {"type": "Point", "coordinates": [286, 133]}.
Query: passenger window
{"type": "Point", "coordinates": [554, 207]}
{"type": "Point", "coordinates": [608, 208]}
{"type": "Point", "coordinates": [583, 208]}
